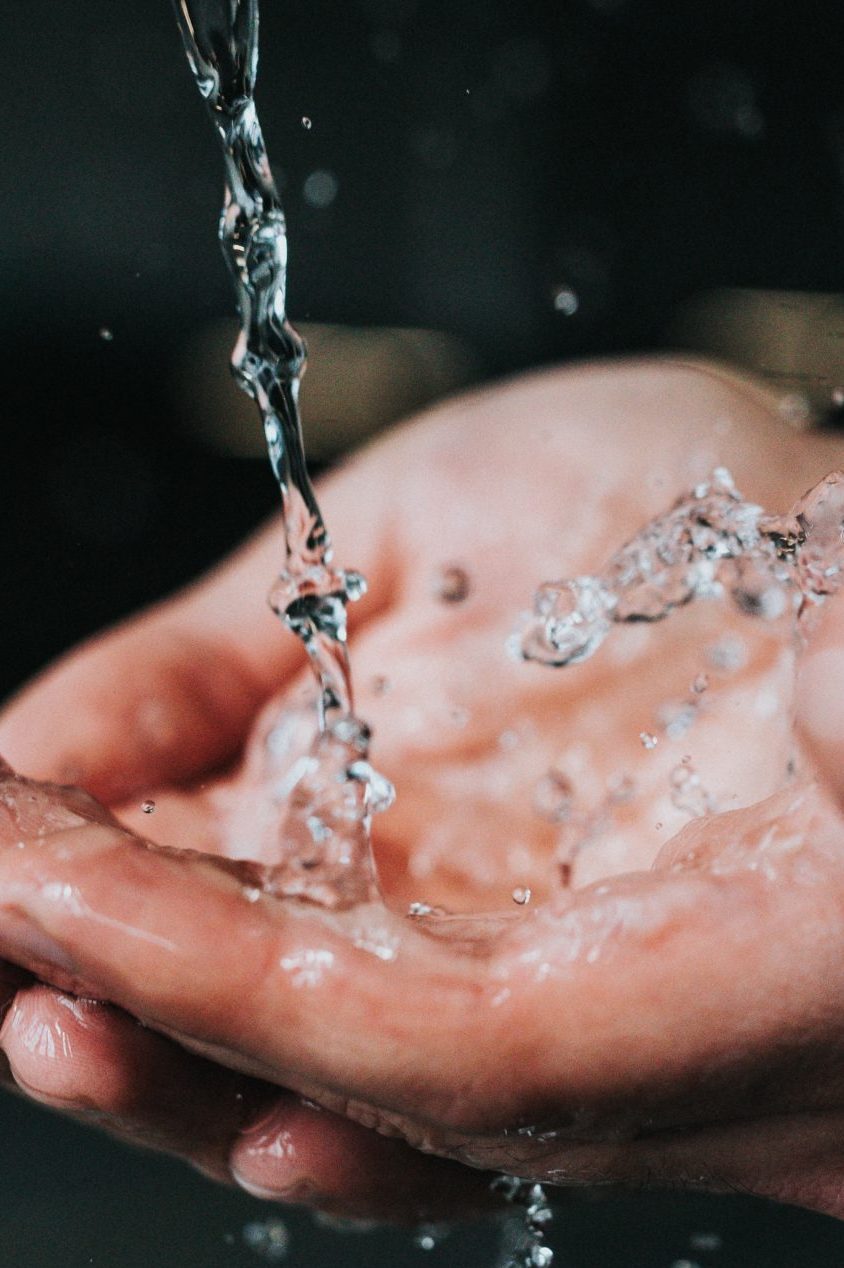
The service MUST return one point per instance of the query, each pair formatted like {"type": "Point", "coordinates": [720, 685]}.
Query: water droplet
{"type": "Point", "coordinates": [251, 893]}
{"type": "Point", "coordinates": [508, 740]}
{"type": "Point", "coordinates": [570, 620]}
{"type": "Point", "coordinates": [428, 1236]}
{"type": "Point", "coordinates": [380, 793]}
{"type": "Point", "coordinates": [728, 655]}
{"type": "Point", "coordinates": [307, 123]}
{"type": "Point", "coordinates": [320, 189]}
{"type": "Point", "coordinates": [148, 806]}
{"type": "Point", "coordinates": [706, 1241]}
{"type": "Point", "coordinates": [269, 1239]}
{"type": "Point", "coordinates": [521, 895]}
{"type": "Point", "coordinates": [105, 334]}
{"type": "Point", "coordinates": [688, 793]}
{"type": "Point", "coordinates": [354, 584]}
{"type": "Point", "coordinates": [648, 740]}
{"type": "Point", "coordinates": [452, 584]}
{"type": "Point", "coordinates": [566, 302]}
{"type": "Point", "coordinates": [700, 684]}
{"type": "Point", "coordinates": [677, 717]}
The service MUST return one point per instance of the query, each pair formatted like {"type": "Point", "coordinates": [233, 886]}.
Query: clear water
{"type": "Point", "coordinates": [325, 847]}
{"type": "Point", "coordinates": [710, 543]}
{"type": "Point", "coordinates": [524, 1238]}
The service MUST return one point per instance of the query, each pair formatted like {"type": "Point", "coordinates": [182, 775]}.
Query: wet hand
{"type": "Point", "coordinates": [609, 1037]}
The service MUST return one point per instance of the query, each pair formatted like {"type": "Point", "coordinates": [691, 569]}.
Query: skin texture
{"type": "Point", "coordinates": [675, 1017]}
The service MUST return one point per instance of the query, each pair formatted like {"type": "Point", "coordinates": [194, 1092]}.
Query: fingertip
{"type": "Point", "coordinates": [299, 1153]}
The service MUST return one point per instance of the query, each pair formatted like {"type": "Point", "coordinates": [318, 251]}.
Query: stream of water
{"type": "Point", "coordinates": [325, 848]}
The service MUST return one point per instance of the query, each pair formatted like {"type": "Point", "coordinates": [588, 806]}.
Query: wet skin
{"type": "Point", "coordinates": [675, 1018]}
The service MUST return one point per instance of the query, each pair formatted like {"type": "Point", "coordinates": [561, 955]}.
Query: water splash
{"type": "Point", "coordinates": [527, 1248]}
{"type": "Point", "coordinates": [710, 543]}
{"type": "Point", "coordinates": [268, 1239]}
{"type": "Point", "coordinates": [327, 828]}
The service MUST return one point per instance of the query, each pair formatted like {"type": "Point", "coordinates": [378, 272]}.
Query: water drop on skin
{"type": "Point", "coordinates": [521, 895]}
{"type": "Point", "coordinates": [148, 806]}
{"type": "Point", "coordinates": [700, 683]}
{"type": "Point", "coordinates": [648, 740]}
{"type": "Point", "coordinates": [307, 123]}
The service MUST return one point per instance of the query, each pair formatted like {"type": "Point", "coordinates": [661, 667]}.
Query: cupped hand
{"type": "Point", "coordinates": [674, 1016]}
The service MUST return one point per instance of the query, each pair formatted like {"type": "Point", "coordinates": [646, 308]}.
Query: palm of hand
{"type": "Point", "coordinates": [597, 1008]}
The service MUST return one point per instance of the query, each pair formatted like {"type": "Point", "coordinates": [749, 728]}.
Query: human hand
{"type": "Point", "coordinates": [616, 1022]}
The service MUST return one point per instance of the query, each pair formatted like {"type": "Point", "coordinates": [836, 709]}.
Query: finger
{"type": "Point", "coordinates": [93, 1061]}
{"type": "Point", "coordinates": [299, 1152]}
{"type": "Point", "coordinates": [652, 999]}
{"type": "Point", "coordinates": [169, 694]}
{"type": "Point", "coordinates": [621, 999]}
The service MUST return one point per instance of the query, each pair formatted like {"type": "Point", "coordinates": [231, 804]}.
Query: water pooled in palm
{"type": "Point", "coordinates": [311, 594]}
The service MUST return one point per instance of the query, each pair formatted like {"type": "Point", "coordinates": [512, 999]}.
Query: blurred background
{"type": "Point", "coordinates": [483, 188]}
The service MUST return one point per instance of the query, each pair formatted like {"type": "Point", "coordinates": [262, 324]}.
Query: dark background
{"type": "Point", "coordinates": [485, 158]}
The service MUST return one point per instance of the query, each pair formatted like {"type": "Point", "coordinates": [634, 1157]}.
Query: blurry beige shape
{"type": "Point", "coordinates": [358, 381]}
{"type": "Point", "coordinates": [793, 340]}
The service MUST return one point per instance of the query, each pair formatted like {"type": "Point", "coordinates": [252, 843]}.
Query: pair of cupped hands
{"type": "Point", "coordinates": [675, 1018]}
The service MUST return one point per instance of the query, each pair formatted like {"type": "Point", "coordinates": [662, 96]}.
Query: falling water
{"type": "Point", "coordinates": [324, 845]}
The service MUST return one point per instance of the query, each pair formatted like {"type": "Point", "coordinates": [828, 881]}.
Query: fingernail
{"type": "Point", "coordinates": [298, 1192]}
{"type": "Point", "coordinates": [264, 1159]}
